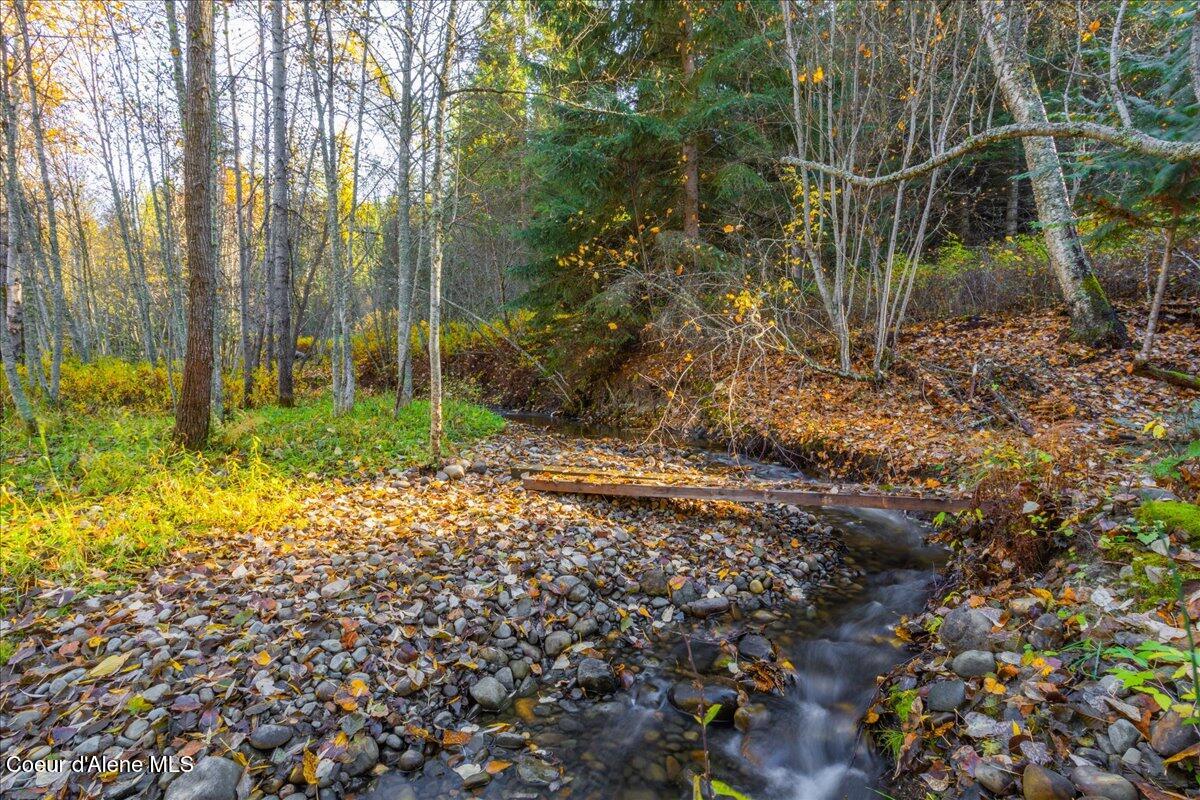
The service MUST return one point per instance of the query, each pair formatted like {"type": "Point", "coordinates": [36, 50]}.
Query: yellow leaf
{"type": "Point", "coordinates": [993, 686]}
{"type": "Point", "coordinates": [310, 768]}
{"type": "Point", "coordinates": [455, 738]}
{"type": "Point", "coordinates": [612, 326]}
{"type": "Point", "coordinates": [728, 229]}
{"type": "Point", "coordinates": [95, 641]}
{"type": "Point", "coordinates": [263, 658]}
{"type": "Point", "coordinates": [496, 766]}
{"type": "Point", "coordinates": [109, 665]}
{"type": "Point", "coordinates": [358, 687]}
{"type": "Point", "coordinates": [818, 75]}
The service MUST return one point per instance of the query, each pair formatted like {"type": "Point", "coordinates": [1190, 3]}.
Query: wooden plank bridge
{"type": "Point", "coordinates": [614, 483]}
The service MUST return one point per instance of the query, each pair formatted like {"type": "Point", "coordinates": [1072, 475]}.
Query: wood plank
{"type": "Point", "coordinates": [783, 496]}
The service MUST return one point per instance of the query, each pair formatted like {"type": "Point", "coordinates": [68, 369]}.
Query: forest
{"type": "Point", "coordinates": [600, 399]}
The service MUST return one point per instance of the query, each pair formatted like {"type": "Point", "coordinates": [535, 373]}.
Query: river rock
{"type": "Point", "coordinates": [212, 778]}
{"type": "Point", "coordinates": [1169, 735]}
{"type": "Point", "coordinates": [654, 583]}
{"type": "Point", "coordinates": [947, 695]}
{"type": "Point", "coordinates": [556, 642]}
{"type": "Point", "coordinates": [489, 693]}
{"type": "Point", "coordinates": [1122, 735]}
{"type": "Point", "coordinates": [1046, 632]}
{"type": "Point", "coordinates": [536, 772]}
{"type": "Point", "coordinates": [756, 647]}
{"type": "Point", "coordinates": [268, 737]}
{"type": "Point", "coordinates": [751, 716]}
{"type": "Point", "coordinates": [1039, 783]}
{"type": "Point", "coordinates": [973, 663]}
{"type": "Point", "coordinates": [454, 471]}
{"type": "Point", "coordinates": [686, 697]}
{"type": "Point", "coordinates": [993, 778]}
{"type": "Point", "coordinates": [596, 676]}
{"type": "Point", "coordinates": [1093, 781]}
{"type": "Point", "coordinates": [963, 629]}
{"type": "Point", "coordinates": [411, 759]}
{"type": "Point", "coordinates": [364, 754]}
{"type": "Point", "coordinates": [707, 606]}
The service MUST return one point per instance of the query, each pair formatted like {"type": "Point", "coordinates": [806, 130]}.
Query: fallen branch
{"type": "Point", "coordinates": [1181, 379]}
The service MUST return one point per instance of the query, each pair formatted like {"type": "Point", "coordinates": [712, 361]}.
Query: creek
{"type": "Point", "coordinates": [802, 743]}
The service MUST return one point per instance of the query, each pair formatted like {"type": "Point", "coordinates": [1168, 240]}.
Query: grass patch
{"type": "Point", "coordinates": [1174, 515]}
{"type": "Point", "coordinates": [106, 494]}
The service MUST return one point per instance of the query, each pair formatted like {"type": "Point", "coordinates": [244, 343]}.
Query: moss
{"type": "Point", "coordinates": [1175, 515]}
{"type": "Point", "coordinates": [1095, 292]}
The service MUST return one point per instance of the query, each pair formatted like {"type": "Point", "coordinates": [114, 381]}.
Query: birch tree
{"type": "Point", "coordinates": [281, 262]}
{"type": "Point", "coordinates": [437, 232]}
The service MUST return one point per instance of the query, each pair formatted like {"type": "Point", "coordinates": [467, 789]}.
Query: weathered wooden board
{"type": "Point", "coordinates": [542, 482]}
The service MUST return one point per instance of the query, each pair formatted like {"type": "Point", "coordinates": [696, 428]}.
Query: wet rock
{"type": "Point", "coordinates": [364, 754]}
{"type": "Point", "coordinates": [994, 778]}
{"type": "Point", "coordinates": [212, 778]}
{"type": "Point", "coordinates": [1039, 783]}
{"type": "Point", "coordinates": [596, 676]}
{"type": "Point", "coordinates": [1122, 735]}
{"type": "Point", "coordinates": [686, 697]}
{"type": "Point", "coordinates": [268, 737]}
{"type": "Point", "coordinates": [756, 647]}
{"type": "Point", "coordinates": [946, 695]}
{"type": "Point", "coordinates": [973, 663]}
{"type": "Point", "coordinates": [474, 777]}
{"type": "Point", "coordinates": [556, 642]}
{"type": "Point", "coordinates": [751, 716]}
{"type": "Point", "coordinates": [536, 772]}
{"type": "Point", "coordinates": [489, 693]}
{"type": "Point", "coordinates": [707, 606]}
{"type": "Point", "coordinates": [411, 759]}
{"type": "Point", "coordinates": [756, 586]}
{"type": "Point", "coordinates": [1046, 632]}
{"type": "Point", "coordinates": [1092, 781]}
{"type": "Point", "coordinates": [1169, 734]}
{"type": "Point", "coordinates": [963, 629]}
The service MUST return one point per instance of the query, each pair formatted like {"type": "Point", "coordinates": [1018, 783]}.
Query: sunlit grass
{"type": "Point", "coordinates": [101, 495]}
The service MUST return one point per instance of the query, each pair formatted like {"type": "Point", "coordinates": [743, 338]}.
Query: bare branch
{"type": "Point", "coordinates": [1127, 138]}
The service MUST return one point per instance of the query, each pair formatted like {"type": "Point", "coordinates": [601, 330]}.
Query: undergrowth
{"type": "Point", "coordinates": [107, 493]}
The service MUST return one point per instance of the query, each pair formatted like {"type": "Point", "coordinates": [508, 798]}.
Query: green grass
{"type": "Point", "coordinates": [1174, 515]}
{"type": "Point", "coordinates": [103, 494]}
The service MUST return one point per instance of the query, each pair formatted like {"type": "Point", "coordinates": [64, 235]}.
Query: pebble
{"type": "Point", "coordinates": [212, 778]}
{"type": "Point", "coordinates": [489, 693]}
{"type": "Point", "coordinates": [946, 695]}
{"type": "Point", "coordinates": [963, 629]}
{"type": "Point", "coordinates": [596, 676]}
{"type": "Point", "coordinates": [1039, 783]}
{"type": "Point", "coordinates": [1092, 781]}
{"type": "Point", "coordinates": [973, 663]}
{"type": "Point", "coordinates": [268, 737]}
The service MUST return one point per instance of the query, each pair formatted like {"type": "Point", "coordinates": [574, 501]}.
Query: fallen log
{"type": "Point", "coordinates": [612, 484]}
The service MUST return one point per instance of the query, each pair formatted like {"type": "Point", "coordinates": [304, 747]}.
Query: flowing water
{"type": "Point", "coordinates": [803, 744]}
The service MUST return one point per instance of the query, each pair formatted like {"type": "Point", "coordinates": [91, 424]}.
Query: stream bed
{"type": "Point", "coordinates": [801, 743]}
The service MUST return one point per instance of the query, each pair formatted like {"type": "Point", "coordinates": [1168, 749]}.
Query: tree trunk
{"type": "Point", "coordinates": [192, 413]}
{"type": "Point", "coordinates": [55, 264]}
{"type": "Point", "coordinates": [690, 151]}
{"type": "Point", "coordinates": [404, 254]}
{"type": "Point", "coordinates": [13, 250]}
{"type": "Point", "coordinates": [437, 219]}
{"type": "Point", "coordinates": [1160, 288]}
{"type": "Point", "coordinates": [243, 238]}
{"type": "Point", "coordinates": [286, 348]}
{"type": "Point", "coordinates": [1012, 214]}
{"type": "Point", "coordinates": [1093, 319]}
